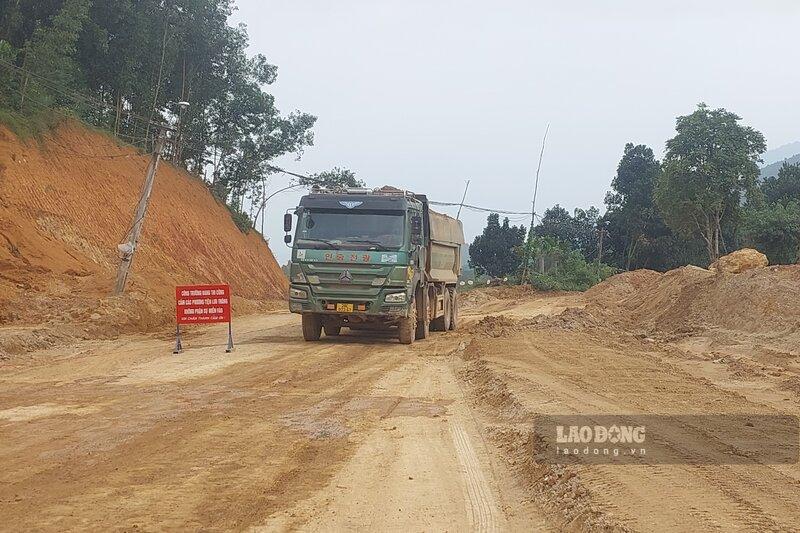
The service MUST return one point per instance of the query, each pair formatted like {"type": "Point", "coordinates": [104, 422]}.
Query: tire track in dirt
{"type": "Point", "coordinates": [557, 367]}
{"type": "Point", "coordinates": [198, 446]}
{"type": "Point", "coordinates": [482, 506]}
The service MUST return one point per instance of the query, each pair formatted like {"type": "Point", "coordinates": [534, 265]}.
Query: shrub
{"type": "Point", "coordinates": [563, 269]}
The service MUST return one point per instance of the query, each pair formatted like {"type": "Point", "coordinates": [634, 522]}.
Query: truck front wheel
{"type": "Point", "coordinates": [312, 327]}
{"type": "Point", "coordinates": [408, 325]}
{"type": "Point", "coordinates": [331, 330]}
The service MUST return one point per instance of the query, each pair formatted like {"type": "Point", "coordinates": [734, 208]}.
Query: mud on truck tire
{"type": "Point", "coordinates": [312, 327]}
{"type": "Point", "coordinates": [407, 327]}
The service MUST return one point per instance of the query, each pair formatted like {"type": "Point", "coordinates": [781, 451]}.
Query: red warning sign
{"type": "Point", "coordinates": [203, 304]}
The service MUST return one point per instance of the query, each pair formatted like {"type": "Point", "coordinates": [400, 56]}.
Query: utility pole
{"type": "Point", "coordinates": [536, 184]}
{"type": "Point", "coordinates": [533, 207]}
{"type": "Point", "coordinates": [178, 148]}
{"type": "Point", "coordinates": [127, 249]}
{"type": "Point", "coordinates": [462, 201]}
{"type": "Point", "coordinates": [601, 232]}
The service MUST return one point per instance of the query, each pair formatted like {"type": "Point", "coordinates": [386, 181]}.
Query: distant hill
{"type": "Point", "coordinates": [772, 170]}
{"type": "Point", "coordinates": [777, 155]}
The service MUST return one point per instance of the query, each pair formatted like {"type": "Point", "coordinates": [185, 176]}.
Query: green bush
{"type": "Point", "coordinates": [774, 230]}
{"type": "Point", "coordinates": [564, 269]}
{"type": "Point", "coordinates": [242, 220]}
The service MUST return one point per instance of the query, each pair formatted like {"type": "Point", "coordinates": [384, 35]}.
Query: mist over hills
{"type": "Point", "coordinates": [772, 170]}
{"type": "Point", "coordinates": [775, 159]}
{"type": "Point", "coordinates": [777, 155]}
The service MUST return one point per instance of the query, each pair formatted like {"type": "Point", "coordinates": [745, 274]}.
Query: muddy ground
{"type": "Point", "coordinates": [362, 433]}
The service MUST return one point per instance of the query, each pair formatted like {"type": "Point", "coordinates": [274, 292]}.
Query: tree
{"type": "Point", "coordinates": [124, 64]}
{"type": "Point", "coordinates": [336, 178]}
{"type": "Point", "coordinates": [556, 222]}
{"type": "Point", "coordinates": [494, 252]}
{"type": "Point", "coordinates": [562, 267]}
{"type": "Point", "coordinates": [774, 230]}
{"type": "Point", "coordinates": [49, 53]}
{"type": "Point", "coordinates": [9, 81]}
{"type": "Point", "coordinates": [710, 169]}
{"type": "Point", "coordinates": [636, 231]}
{"type": "Point", "coordinates": [785, 187]}
{"type": "Point", "coordinates": [586, 227]}
{"type": "Point", "coordinates": [577, 232]}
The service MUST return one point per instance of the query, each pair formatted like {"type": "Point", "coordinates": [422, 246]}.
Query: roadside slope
{"type": "Point", "coordinates": [67, 201]}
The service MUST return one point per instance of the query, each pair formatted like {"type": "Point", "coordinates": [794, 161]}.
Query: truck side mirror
{"type": "Point", "coordinates": [287, 238]}
{"type": "Point", "coordinates": [287, 223]}
{"type": "Point", "coordinates": [416, 230]}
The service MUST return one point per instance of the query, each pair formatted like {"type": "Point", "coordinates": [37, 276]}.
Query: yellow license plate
{"type": "Point", "coordinates": [344, 308]}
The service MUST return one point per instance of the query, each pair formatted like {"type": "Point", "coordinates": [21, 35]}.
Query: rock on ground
{"type": "Point", "coordinates": [739, 261]}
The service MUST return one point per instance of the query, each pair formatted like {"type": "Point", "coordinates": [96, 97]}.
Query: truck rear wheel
{"type": "Point", "coordinates": [407, 326]}
{"type": "Point", "coordinates": [453, 309]}
{"type": "Point", "coordinates": [442, 323]}
{"type": "Point", "coordinates": [312, 327]}
{"type": "Point", "coordinates": [448, 311]}
{"type": "Point", "coordinates": [331, 330]}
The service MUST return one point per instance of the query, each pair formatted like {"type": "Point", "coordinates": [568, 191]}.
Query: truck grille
{"type": "Point", "coordinates": [359, 284]}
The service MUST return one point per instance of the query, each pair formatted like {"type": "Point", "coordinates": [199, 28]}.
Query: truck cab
{"type": "Point", "coordinates": [370, 259]}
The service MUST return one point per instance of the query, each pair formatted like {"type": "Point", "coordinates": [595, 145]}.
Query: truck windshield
{"type": "Point", "coordinates": [343, 229]}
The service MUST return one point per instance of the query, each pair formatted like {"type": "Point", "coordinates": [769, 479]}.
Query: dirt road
{"type": "Point", "coordinates": [363, 433]}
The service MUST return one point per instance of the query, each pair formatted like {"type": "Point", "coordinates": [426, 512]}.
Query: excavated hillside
{"type": "Point", "coordinates": [66, 202]}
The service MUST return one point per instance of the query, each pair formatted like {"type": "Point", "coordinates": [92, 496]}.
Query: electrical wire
{"type": "Point", "coordinates": [31, 98]}
{"type": "Point", "coordinates": [67, 148]}
{"type": "Point", "coordinates": [69, 93]}
{"type": "Point", "coordinates": [480, 209]}
{"type": "Point", "coordinates": [432, 202]}
{"type": "Point", "coordinates": [99, 104]}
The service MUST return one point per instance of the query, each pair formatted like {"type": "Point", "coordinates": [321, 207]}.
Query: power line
{"type": "Point", "coordinates": [270, 167]}
{"type": "Point", "coordinates": [481, 209]}
{"type": "Point", "coordinates": [31, 99]}
{"type": "Point", "coordinates": [67, 148]}
{"type": "Point", "coordinates": [65, 91]}
{"type": "Point", "coordinates": [444, 204]}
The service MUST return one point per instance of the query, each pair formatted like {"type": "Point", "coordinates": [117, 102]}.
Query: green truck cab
{"type": "Point", "coordinates": [373, 259]}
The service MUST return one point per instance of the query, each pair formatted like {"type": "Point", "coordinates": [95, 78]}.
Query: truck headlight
{"type": "Point", "coordinates": [298, 294]}
{"type": "Point", "coordinates": [395, 298]}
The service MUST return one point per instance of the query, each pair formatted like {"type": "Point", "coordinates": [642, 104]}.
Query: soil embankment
{"type": "Point", "coordinates": [66, 202]}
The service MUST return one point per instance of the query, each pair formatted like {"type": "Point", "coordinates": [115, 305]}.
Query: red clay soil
{"type": "Point", "coordinates": [64, 207]}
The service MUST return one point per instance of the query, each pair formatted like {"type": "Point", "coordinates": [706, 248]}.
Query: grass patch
{"type": "Point", "coordinates": [30, 126]}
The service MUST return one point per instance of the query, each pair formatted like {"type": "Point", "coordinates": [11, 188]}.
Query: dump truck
{"type": "Point", "coordinates": [373, 259]}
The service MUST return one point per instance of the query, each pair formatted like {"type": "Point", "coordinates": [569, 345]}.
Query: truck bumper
{"type": "Point", "coordinates": [364, 310]}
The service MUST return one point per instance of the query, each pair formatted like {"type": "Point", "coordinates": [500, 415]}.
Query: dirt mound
{"type": "Point", "coordinates": [66, 202]}
{"type": "Point", "coordinates": [739, 261]}
{"type": "Point", "coordinates": [617, 288]}
{"type": "Point", "coordinates": [690, 300]}
{"type": "Point", "coordinates": [572, 318]}
{"type": "Point", "coordinates": [495, 326]}
{"type": "Point", "coordinates": [482, 295]}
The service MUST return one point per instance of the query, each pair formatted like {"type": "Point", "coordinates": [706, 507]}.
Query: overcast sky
{"type": "Point", "coordinates": [426, 94]}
